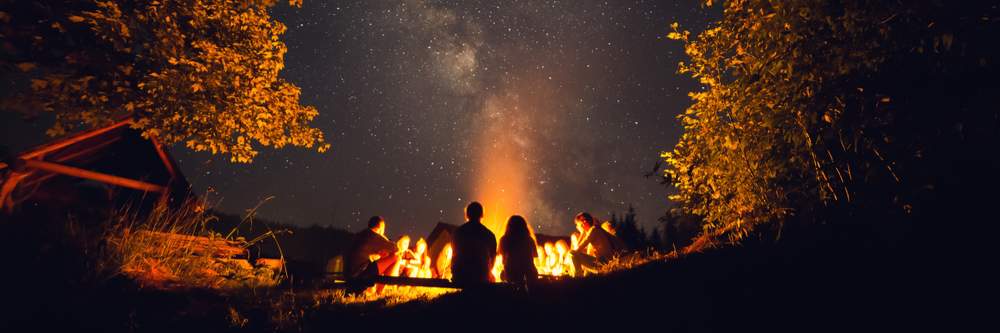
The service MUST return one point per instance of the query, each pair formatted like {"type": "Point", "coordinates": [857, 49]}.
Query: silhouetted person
{"type": "Point", "coordinates": [368, 244]}
{"type": "Point", "coordinates": [475, 249]}
{"type": "Point", "coordinates": [596, 244]}
{"type": "Point", "coordinates": [518, 250]}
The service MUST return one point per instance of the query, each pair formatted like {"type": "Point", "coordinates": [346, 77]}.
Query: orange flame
{"type": "Point", "coordinates": [497, 268]}
{"type": "Point", "coordinates": [554, 259]}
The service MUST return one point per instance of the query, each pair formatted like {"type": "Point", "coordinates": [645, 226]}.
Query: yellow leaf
{"type": "Point", "coordinates": [76, 19]}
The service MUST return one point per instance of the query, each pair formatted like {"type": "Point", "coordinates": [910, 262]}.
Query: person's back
{"type": "Point", "coordinates": [605, 244]}
{"type": "Point", "coordinates": [474, 249]}
{"type": "Point", "coordinates": [366, 243]}
{"type": "Point", "coordinates": [518, 250]}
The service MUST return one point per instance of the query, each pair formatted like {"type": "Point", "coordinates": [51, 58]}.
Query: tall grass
{"type": "Point", "coordinates": [631, 260]}
{"type": "Point", "coordinates": [391, 296]}
{"type": "Point", "coordinates": [174, 248]}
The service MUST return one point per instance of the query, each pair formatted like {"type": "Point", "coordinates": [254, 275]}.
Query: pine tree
{"type": "Point", "coordinates": [630, 232]}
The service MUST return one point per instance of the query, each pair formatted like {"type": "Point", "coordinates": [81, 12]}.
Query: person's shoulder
{"type": "Point", "coordinates": [487, 233]}
{"type": "Point", "coordinates": [465, 228]}
{"type": "Point", "coordinates": [607, 235]}
{"type": "Point", "coordinates": [483, 229]}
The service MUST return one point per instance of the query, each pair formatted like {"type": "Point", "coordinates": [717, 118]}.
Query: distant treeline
{"type": "Point", "coordinates": [313, 245]}
{"type": "Point", "coordinates": [675, 230]}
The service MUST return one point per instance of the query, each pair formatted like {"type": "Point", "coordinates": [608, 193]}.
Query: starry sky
{"type": "Point", "coordinates": [537, 108]}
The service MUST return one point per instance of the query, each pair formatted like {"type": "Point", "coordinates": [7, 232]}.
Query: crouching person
{"type": "Point", "coordinates": [371, 254]}
{"type": "Point", "coordinates": [596, 246]}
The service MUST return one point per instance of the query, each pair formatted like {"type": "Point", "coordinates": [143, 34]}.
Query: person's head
{"type": "Point", "coordinates": [517, 227]}
{"type": "Point", "coordinates": [583, 222]}
{"type": "Point", "coordinates": [474, 212]}
{"type": "Point", "coordinates": [377, 224]}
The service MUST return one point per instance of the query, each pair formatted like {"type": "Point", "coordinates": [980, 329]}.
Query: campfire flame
{"type": "Point", "coordinates": [497, 268]}
{"type": "Point", "coordinates": [416, 263]}
{"type": "Point", "coordinates": [554, 259]}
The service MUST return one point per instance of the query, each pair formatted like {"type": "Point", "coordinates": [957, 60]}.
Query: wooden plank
{"type": "Point", "coordinates": [164, 157]}
{"type": "Point", "coordinates": [338, 281]}
{"type": "Point", "coordinates": [31, 181]}
{"type": "Point", "coordinates": [87, 174]}
{"type": "Point", "coordinates": [41, 151]}
{"type": "Point", "coordinates": [86, 151]}
{"type": "Point", "coordinates": [7, 190]}
{"type": "Point", "coordinates": [413, 282]}
{"type": "Point", "coordinates": [45, 149]}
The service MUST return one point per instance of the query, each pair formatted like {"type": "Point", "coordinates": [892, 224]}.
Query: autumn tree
{"type": "Point", "coordinates": [826, 110]}
{"type": "Point", "coordinates": [204, 73]}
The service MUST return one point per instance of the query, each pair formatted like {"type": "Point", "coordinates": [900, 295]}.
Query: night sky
{"type": "Point", "coordinates": [540, 108]}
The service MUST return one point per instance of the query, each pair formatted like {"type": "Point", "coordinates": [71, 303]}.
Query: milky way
{"type": "Point", "coordinates": [541, 108]}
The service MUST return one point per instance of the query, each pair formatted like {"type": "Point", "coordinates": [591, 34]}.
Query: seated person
{"type": "Point", "coordinates": [371, 253]}
{"type": "Point", "coordinates": [596, 244]}
{"type": "Point", "coordinates": [475, 249]}
{"type": "Point", "coordinates": [518, 250]}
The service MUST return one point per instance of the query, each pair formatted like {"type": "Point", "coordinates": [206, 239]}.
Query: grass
{"type": "Point", "coordinates": [391, 296]}
{"type": "Point", "coordinates": [633, 259]}
{"type": "Point", "coordinates": [173, 248]}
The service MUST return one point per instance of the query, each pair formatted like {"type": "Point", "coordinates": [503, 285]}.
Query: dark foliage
{"type": "Point", "coordinates": [629, 231]}
{"type": "Point", "coordinates": [679, 229]}
{"type": "Point", "coordinates": [841, 112]}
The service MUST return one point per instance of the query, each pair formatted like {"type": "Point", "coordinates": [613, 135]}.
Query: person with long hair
{"type": "Point", "coordinates": [518, 249]}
